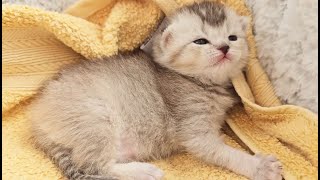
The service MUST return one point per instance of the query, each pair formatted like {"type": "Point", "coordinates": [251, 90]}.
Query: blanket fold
{"type": "Point", "coordinates": [37, 43]}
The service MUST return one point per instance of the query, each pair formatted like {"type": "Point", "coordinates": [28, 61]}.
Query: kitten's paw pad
{"type": "Point", "coordinates": [145, 171]}
{"type": "Point", "coordinates": [269, 168]}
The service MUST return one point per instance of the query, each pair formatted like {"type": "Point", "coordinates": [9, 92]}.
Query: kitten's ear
{"type": "Point", "coordinates": [245, 21]}
{"type": "Point", "coordinates": [166, 37]}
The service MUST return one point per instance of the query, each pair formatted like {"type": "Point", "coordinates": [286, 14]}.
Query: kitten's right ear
{"type": "Point", "coordinates": [166, 37]}
{"type": "Point", "coordinates": [166, 30]}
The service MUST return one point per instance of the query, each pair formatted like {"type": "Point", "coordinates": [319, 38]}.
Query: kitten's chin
{"type": "Point", "coordinates": [223, 72]}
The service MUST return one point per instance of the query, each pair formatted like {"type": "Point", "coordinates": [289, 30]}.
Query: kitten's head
{"type": "Point", "coordinates": [205, 40]}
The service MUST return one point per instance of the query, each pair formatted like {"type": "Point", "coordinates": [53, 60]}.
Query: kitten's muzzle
{"type": "Point", "coordinates": [224, 49]}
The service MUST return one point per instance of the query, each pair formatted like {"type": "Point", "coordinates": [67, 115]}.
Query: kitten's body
{"type": "Point", "coordinates": [150, 106]}
{"type": "Point", "coordinates": [99, 119]}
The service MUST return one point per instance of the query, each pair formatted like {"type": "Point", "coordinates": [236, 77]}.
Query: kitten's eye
{"type": "Point", "coordinates": [201, 41]}
{"type": "Point", "coordinates": [232, 37]}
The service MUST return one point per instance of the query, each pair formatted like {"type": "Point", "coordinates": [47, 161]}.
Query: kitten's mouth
{"type": "Point", "coordinates": [221, 60]}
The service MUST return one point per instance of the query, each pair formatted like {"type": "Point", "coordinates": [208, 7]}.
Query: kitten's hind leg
{"type": "Point", "coordinates": [135, 171]}
{"type": "Point", "coordinates": [62, 157]}
{"type": "Point", "coordinates": [101, 167]}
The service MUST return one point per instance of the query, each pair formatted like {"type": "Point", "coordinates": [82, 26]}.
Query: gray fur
{"type": "Point", "coordinates": [102, 119]}
{"type": "Point", "coordinates": [214, 14]}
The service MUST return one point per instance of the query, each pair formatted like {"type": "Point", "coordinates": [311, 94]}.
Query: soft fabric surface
{"type": "Point", "coordinates": [286, 33]}
{"type": "Point", "coordinates": [51, 5]}
{"type": "Point", "coordinates": [37, 43]}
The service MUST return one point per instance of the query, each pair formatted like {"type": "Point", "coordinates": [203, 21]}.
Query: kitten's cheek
{"type": "Point", "coordinates": [233, 56]}
{"type": "Point", "coordinates": [206, 58]}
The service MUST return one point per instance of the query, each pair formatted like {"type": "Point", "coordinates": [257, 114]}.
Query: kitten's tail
{"type": "Point", "coordinates": [61, 156]}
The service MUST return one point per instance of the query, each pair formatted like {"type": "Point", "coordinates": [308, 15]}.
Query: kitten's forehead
{"type": "Point", "coordinates": [211, 13]}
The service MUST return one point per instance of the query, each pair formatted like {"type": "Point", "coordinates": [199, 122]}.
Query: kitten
{"type": "Point", "coordinates": [103, 119]}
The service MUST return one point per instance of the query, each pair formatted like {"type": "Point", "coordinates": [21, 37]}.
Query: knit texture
{"type": "Point", "coordinates": [37, 43]}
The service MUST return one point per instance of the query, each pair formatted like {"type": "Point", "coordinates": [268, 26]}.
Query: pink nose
{"type": "Point", "coordinates": [224, 49]}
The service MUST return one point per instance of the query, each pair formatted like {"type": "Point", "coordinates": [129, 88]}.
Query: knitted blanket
{"type": "Point", "coordinates": [37, 43]}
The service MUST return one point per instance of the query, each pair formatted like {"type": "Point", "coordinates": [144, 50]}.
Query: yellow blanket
{"type": "Point", "coordinates": [37, 43]}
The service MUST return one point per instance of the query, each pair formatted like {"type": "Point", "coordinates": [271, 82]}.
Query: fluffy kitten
{"type": "Point", "coordinates": [103, 119]}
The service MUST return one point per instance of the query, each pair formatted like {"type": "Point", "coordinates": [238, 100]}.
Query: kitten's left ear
{"type": "Point", "coordinates": [245, 21]}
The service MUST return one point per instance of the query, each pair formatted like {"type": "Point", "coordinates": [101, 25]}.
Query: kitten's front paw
{"type": "Point", "coordinates": [268, 169]}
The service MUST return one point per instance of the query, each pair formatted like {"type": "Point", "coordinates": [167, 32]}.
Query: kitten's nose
{"type": "Point", "coordinates": [224, 49]}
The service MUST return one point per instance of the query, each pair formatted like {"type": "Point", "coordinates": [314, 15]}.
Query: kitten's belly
{"type": "Point", "coordinates": [147, 129]}
{"type": "Point", "coordinates": [133, 146]}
